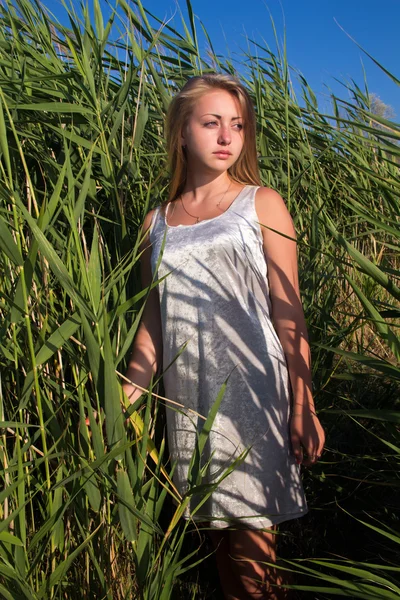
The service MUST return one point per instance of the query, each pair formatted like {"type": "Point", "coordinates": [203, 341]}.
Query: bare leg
{"type": "Point", "coordinates": [230, 582]}
{"type": "Point", "coordinates": [248, 550]}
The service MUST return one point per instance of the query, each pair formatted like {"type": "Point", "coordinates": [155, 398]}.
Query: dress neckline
{"type": "Point", "coordinates": [181, 225]}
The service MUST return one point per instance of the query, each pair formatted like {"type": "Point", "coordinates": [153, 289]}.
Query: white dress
{"type": "Point", "coordinates": [216, 326]}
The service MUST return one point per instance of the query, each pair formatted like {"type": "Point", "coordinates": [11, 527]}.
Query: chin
{"type": "Point", "coordinates": [224, 164]}
{"type": "Point", "coordinates": [216, 166]}
{"type": "Point", "coordinates": [220, 169]}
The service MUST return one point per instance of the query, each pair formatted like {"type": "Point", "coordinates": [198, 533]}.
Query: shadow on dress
{"type": "Point", "coordinates": [216, 301]}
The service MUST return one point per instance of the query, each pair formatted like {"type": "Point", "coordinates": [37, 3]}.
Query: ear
{"type": "Point", "coordinates": [182, 137]}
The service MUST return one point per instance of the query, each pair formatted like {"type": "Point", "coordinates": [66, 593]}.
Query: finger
{"type": "Point", "coordinates": [316, 454]}
{"type": "Point", "coordinates": [297, 450]}
{"type": "Point", "coordinates": [321, 441]}
{"type": "Point", "coordinates": [311, 459]}
{"type": "Point", "coordinates": [321, 446]}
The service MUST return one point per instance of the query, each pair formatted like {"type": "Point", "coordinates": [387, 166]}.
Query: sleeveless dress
{"type": "Point", "coordinates": [216, 326]}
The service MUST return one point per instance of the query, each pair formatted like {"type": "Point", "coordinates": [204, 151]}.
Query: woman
{"type": "Point", "coordinates": [229, 310]}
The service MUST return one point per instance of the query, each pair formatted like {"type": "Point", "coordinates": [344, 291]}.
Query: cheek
{"type": "Point", "coordinates": [240, 142]}
{"type": "Point", "coordinates": [202, 137]}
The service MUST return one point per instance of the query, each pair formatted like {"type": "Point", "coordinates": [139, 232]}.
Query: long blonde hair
{"type": "Point", "coordinates": [245, 169]}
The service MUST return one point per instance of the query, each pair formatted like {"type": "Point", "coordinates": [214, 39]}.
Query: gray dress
{"type": "Point", "coordinates": [216, 326]}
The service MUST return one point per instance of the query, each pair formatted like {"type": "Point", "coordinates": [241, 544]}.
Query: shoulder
{"type": "Point", "coordinates": [146, 227]}
{"type": "Point", "coordinates": [147, 221]}
{"type": "Point", "coordinates": [268, 202]}
{"type": "Point", "coordinates": [272, 212]}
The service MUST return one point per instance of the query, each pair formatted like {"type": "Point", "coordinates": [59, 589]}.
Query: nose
{"type": "Point", "coordinates": [224, 135]}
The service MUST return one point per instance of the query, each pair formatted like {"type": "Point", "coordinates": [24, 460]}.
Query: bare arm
{"type": "Point", "coordinates": [146, 355]}
{"type": "Point", "coordinates": [288, 318]}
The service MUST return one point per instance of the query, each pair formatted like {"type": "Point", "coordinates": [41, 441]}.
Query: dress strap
{"type": "Point", "coordinates": [166, 213]}
{"type": "Point", "coordinates": [245, 203]}
{"type": "Point", "coordinates": [157, 223]}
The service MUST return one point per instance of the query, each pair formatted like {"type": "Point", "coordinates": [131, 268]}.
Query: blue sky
{"type": "Point", "coordinates": [316, 44]}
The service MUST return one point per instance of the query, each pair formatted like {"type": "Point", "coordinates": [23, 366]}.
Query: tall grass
{"type": "Point", "coordinates": [88, 507]}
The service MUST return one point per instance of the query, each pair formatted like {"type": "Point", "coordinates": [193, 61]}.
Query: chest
{"type": "Point", "coordinates": [220, 247]}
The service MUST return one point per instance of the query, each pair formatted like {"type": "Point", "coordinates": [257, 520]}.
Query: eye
{"type": "Point", "coordinates": [239, 126]}
{"type": "Point", "coordinates": [210, 123]}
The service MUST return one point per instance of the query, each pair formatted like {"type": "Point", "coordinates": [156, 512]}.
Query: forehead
{"type": "Point", "coordinates": [218, 102]}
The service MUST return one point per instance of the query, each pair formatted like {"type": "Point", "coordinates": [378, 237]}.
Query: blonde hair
{"type": "Point", "coordinates": [245, 169]}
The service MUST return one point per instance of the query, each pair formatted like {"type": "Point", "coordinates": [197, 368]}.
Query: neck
{"type": "Point", "coordinates": [204, 185]}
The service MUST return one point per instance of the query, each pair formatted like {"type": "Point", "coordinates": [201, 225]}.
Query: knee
{"type": "Point", "coordinates": [259, 581]}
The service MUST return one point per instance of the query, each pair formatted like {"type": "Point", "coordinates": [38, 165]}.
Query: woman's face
{"type": "Point", "coordinates": [214, 133]}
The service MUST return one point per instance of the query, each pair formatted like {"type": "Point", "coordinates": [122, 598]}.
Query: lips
{"type": "Point", "coordinates": [223, 152]}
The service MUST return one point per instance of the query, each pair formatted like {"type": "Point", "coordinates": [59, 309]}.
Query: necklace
{"type": "Point", "coordinates": [217, 205]}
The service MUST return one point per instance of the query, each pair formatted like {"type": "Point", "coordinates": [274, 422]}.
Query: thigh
{"type": "Point", "coordinates": [219, 539]}
{"type": "Point", "coordinates": [253, 555]}
{"type": "Point", "coordinates": [253, 544]}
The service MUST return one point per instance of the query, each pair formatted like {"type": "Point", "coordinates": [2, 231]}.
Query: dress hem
{"type": "Point", "coordinates": [247, 524]}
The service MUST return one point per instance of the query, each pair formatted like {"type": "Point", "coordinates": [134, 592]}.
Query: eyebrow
{"type": "Point", "coordinates": [219, 116]}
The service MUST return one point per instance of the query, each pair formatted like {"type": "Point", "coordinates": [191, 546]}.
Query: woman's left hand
{"type": "Point", "coordinates": [307, 436]}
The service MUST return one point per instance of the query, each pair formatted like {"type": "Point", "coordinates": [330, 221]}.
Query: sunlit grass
{"type": "Point", "coordinates": [87, 502]}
